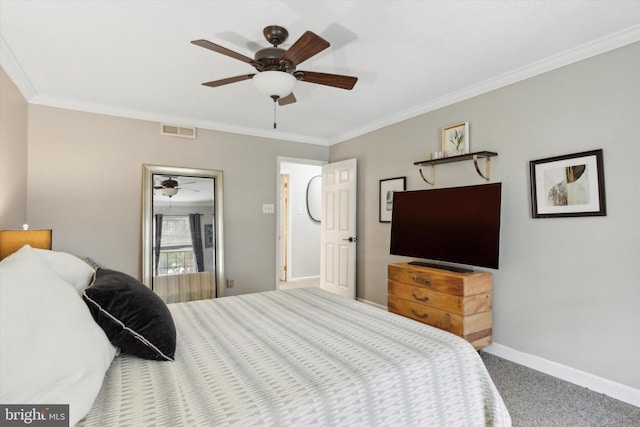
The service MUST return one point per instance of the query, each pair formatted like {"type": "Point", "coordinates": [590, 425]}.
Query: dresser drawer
{"type": "Point", "coordinates": [458, 302]}
{"type": "Point", "coordinates": [452, 303]}
{"type": "Point", "coordinates": [463, 326]}
{"type": "Point", "coordinates": [461, 284]}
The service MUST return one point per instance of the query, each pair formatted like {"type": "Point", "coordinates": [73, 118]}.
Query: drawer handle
{"type": "Point", "coordinates": [423, 299]}
{"type": "Point", "coordinates": [420, 280]}
{"type": "Point", "coordinates": [422, 316]}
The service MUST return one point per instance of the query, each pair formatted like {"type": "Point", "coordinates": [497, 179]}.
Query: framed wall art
{"type": "Point", "coordinates": [208, 235]}
{"type": "Point", "coordinates": [387, 188]}
{"type": "Point", "coordinates": [568, 186]}
{"type": "Point", "coordinates": [455, 139]}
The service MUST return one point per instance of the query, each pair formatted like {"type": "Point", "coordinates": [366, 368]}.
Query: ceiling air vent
{"type": "Point", "coordinates": [181, 131]}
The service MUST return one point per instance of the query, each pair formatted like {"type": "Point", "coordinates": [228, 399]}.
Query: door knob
{"type": "Point", "coordinates": [352, 239]}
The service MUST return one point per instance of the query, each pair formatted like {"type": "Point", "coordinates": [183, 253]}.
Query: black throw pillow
{"type": "Point", "coordinates": [132, 315]}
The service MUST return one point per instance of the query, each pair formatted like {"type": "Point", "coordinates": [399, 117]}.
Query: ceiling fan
{"type": "Point", "coordinates": [276, 67]}
{"type": "Point", "coordinates": [170, 187]}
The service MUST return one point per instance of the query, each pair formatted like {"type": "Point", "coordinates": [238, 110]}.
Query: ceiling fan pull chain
{"type": "Point", "coordinates": [275, 99]}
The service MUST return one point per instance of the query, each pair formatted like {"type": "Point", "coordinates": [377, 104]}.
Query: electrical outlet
{"type": "Point", "coordinates": [229, 283]}
{"type": "Point", "coordinates": [268, 208]}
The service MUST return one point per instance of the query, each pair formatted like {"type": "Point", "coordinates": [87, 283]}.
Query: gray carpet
{"type": "Point", "coordinates": [535, 399]}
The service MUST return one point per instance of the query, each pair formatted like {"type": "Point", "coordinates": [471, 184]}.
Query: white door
{"type": "Point", "coordinates": [338, 230]}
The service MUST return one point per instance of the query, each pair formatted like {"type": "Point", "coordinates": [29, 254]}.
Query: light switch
{"type": "Point", "coordinates": [267, 208]}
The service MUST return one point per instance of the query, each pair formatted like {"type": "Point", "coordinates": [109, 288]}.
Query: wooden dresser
{"type": "Point", "coordinates": [456, 302]}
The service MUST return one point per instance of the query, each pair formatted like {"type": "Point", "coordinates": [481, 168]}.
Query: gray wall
{"type": "Point", "coordinates": [566, 290]}
{"type": "Point", "coordinates": [85, 179]}
{"type": "Point", "coordinates": [13, 155]}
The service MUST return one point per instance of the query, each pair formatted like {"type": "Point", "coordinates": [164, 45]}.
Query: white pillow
{"type": "Point", "coordinates": [51, 349]}
{"type": "Point", "coordinates": [70, 268]}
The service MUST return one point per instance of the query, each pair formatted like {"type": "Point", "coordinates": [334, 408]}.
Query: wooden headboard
{"type": "Point", "coordinates": [12, 240]}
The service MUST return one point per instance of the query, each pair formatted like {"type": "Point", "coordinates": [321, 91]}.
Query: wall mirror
{"type": "Point", "coordinates": [182, 239]}
{"type": "Point", "coordinates": [314, 198]}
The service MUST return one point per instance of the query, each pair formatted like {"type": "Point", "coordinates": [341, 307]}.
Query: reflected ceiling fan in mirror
{"type": "Point", "coordinates": [169, 187]}
{"type": "Point", "coordinates": [276, 67]}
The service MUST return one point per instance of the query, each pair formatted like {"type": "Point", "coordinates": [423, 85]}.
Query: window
{"type": "Point", "coordinates": [176, 249]}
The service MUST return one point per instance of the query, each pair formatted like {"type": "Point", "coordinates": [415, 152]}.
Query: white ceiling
{"type": "Point", "coordinates": [135, 59]}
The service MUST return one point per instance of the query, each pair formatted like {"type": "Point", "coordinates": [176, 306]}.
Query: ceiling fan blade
{"type": "Point", "coordinates": [223, 50]}
{"type": "Point", "coordinates": [335, 80]}
{"type": "Point", "coordinates": [289, 99]}
{"type": "Point", "coordinates": [228, 80]}
{"type": "Point", "coordinates": [305, 47]}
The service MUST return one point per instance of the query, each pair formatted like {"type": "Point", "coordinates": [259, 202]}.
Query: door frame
{"type": "Point", "coordinates": [283, 255]}
{"type": "Point", "coordinates": [279, 214]}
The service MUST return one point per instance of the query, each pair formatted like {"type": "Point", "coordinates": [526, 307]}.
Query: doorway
{"type": "Point", "coordinates": [298, 231]}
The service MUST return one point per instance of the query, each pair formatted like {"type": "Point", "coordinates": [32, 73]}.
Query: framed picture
{"type": "Point", "coordinates": [208, 235]}
{"type": "Point", "coordinates": [387, 188]}
{"type": "Point", "coordinates": [455, 139]}
{"type": "Point", "coordinates": [570, 185]}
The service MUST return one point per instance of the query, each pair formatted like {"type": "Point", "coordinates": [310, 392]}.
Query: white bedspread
{"type": "Point", "coordinates": [301, 357]}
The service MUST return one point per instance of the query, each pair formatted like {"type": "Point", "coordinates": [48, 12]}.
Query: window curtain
{"type": "Point", "coordinates": [158, 241]}
{"type": "Point", "coordinates": [196, 240]}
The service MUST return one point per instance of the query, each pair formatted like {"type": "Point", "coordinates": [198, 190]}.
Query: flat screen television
{"type": "Point", "coordinates": [459, 225]}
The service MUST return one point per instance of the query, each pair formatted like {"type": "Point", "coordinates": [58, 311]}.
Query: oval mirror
{"type": "Point", "coordinates": [314, 198]}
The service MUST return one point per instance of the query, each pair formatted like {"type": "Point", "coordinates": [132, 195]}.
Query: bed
{"type": "Point", "coordinates": [284, 358]}
{"type": "Point", "coordinates": [185, 287]}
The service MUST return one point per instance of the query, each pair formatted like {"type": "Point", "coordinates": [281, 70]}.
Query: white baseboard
{"type": "Point", "coordinates": [610, 388]}
{"type": "Point", "coordinates": [304, 279]}
{"type": "Point", "coordinates": [374, 304]}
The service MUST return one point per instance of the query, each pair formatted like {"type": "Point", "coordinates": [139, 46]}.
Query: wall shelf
{"type": "Point", "coordinates": [459, 158]}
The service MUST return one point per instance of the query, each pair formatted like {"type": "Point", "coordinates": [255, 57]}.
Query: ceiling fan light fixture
{"type": "Point", "coordinates": [276, 84]}
{"type": "Point", "coordinates": [169, 191]}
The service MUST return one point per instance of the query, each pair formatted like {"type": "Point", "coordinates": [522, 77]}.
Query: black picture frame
{"type": "Point", "coordinates": [387, 188]}
{"type": "Point", "coordinates": [571, 185]}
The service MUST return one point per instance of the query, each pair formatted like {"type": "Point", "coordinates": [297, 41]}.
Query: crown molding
{"type": "Point", "coordinates": [14, 70]}
{"type": "Point", "coordinates": [109, 110]}
{"type": "Point", "coordinates": [16, 73]}
{"type": "Point", "coordinates": [585, 51]}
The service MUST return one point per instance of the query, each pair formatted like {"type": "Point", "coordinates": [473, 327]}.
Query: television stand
{"type": "Point", "coordinates": [460, 303]}
{"type": "Point", "coordinates": [441, 267]}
